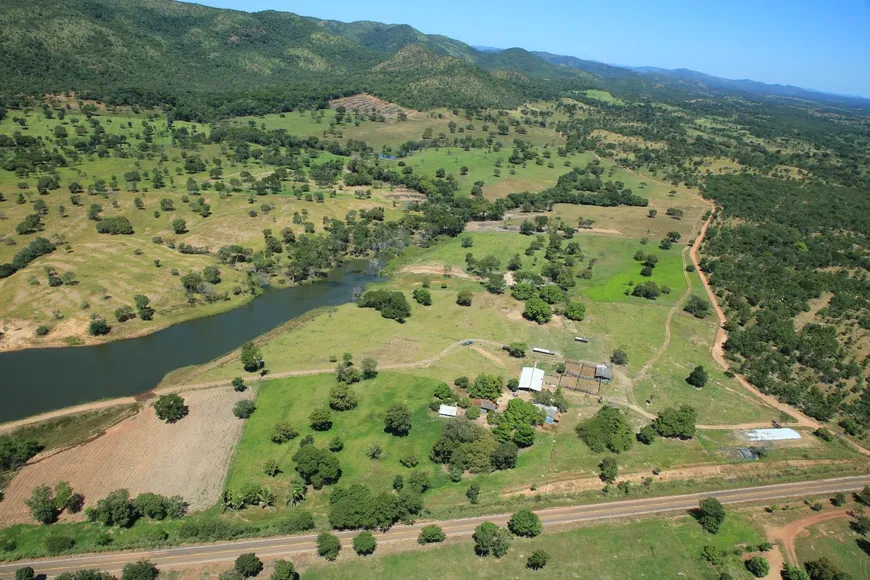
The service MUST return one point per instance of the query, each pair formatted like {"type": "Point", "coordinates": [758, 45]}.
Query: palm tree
{"type": "Point", "coordinates": [297, 494]}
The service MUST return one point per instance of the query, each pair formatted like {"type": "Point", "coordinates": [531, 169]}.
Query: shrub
{"type": "Point", "coordinates": [239, 385]}
{"type": "Point", "coordinates": [698, 377]}
{"type": "Point", "coordinates": [758, 566]}
{"type": "Point", "coordinates": [537, 560]}
{"type": "Point", "coordinates": [328, 546]}
{"type": "Point", "coordinates": [25, 573]}
{"type": "Point", "coordinates": [283, 432]}
{"type": "Point", "coordinates": [409, 461]}
{"type": "Point", "coordinates": [472, 413]}
{"type": "Point", "coordinates": [525, 523]}
{"type": "Point", "coordinates": [248, 565]}
{"type": "Point", "coordinates": [619, 357]}
{"type": "Point", "coordinates": [57, 544]}
{"type": "Point", "coordinates": [321, 419]}
{"type": "Point", "coordinates": [431, 534]}
{"type": "Point", "coordinates": [464, 297]}
{"type": "Point", "coordinates": [710, 514]}
{"type": "Point", "coordinates": [423, 296]}
{"type": "Point", "coordinates": [141, 570]}
{"type": "Point", "coordinates": [244, 409]}
{"type": "Point", "coordinates": [364, 543]}
{"type": "Point", "coordinates": [491, 539]}
{"type": "Point", "coordinates": [473, 493]}
{"type": "Point", "coordinates": [284, 570]}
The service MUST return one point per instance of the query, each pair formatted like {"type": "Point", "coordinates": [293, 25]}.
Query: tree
{"type": "Point", "coordinates": [537, 560]}
{"type": "Point", "coordinates": [141, 570]}
{"type": "Point", "coordinates": [239, 385]}
{"type": "Point", "coordinates": [283, 432]}
{"type": "Point", "coordinates": [678, 423]}
{"type": "Point", "coordinates": [364, 543]}
{"type": "Point", "coordinates": [369, 368]}
{"type": "Point", "coordinates": [422, 296]}
{"type": "Point", "coordinates": [575, 311]}
{"type": "Point", "coordinates": [143, 307]}
{"type": "Point", "coordinates": [697, 307]}
{"type": "Point", "coordinates": [824, 569]}
{"type": "Point", "coordinates": [504, 456]}
{"type": "Point", "coordinates": [116, 509]}
{"type": "Point", "coordinates": [710, 514]}
{"type": "Point", "coordinates": [647, 435]}
{"type": "Point", "coordinates": [328, 546]}
{"type": "Point", "coordinates": [179, 225]}
{"type": "Point", "coordinates": [99, 327]}
{"type": "Point", "coordinates": [321, 419]}
{"type": "Point", "coordinates": [537, 310]}
{"type": "Point", "coordinates": [26, 573]}
{"type": "Point", "coordinates": [244, 409]}
{"type": "Point", "coordinates": [284, 570]}
{"type": "Point", "coordinates": [525, 523]}
{"type": "Point", "coordinates": [170, 408]}
{"type": "Point", "coordinates": [608, 429]}
{"type": "Point", "coordinates": [619, 357]}
{"type": "Point", "coordinates": [758, 566]}
{"type": "Point", "coordinates": [486, 387]}
{"type": "Point", "coordinates": [42, 505]}
{"type": "Point", "coordinates": [317, 466]}
{"type": "Point", "coordinates": [464, 297]}
{"type": "Point", "coordinates": [398, 420]}
{"type": "Point", "coordinates": [248, 565]}
{"type": "Point", "coordinates": [252, 359]}
{"type": "Point", "coordinates": [491, 539]}
{"type": "Point", "coordinates": [342, 398]}
{"type": "Point", "coordinates": [794, 573]}
{"type": "Point", "coordinates": [517, 349]}
{"type": "Point", "coordinates": [608, 470]}
{"type": "Point", "coordinates": [863, 496]}
{"type": "Point", "coordinates": [431, 534]}
{"type": "Point", "coordinates": [698, 377]}
{"type": "Point", "coordinates": [839, 499]}
{"type": "Point", "coordinates": [473, 493]}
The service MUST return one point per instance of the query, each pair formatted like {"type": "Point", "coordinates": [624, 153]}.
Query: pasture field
{"type": "Point", "coordinates": [188, 458]}
{"type": "Point", "coordinates": [836, 541]}
{"type": "Point", "coordinates": [723, 401]}
{"type": "Point", "coordinates": [292, 400]}
{"type": "Point", "coordinates": [653, 548]}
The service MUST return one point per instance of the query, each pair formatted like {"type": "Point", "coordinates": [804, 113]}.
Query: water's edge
{"type": "Point", "coordinates": [35, 381]}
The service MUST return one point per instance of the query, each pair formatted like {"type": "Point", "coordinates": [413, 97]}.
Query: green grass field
{"type": "Point", "coordinates": [655, 548]}
{"type": "Point", "coordinates": [292, 400]}
{"type": "Point", "coordinates": [836, 541]}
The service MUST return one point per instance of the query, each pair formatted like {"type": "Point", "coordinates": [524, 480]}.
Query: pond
{"type": "Point", "coordinates": [38, 380]}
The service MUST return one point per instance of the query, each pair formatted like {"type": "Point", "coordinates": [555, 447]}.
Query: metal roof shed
{"type": "Point", "coordinates": [783, 434]}
{"type": "Point", "coordinates": [532, 379]}
{"type": "Point", "coordinates": [603, 372]}
{"type": "Point", "coordinates": [447, 411]}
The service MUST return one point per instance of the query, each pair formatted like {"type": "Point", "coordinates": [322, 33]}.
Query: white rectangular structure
{"type": "Point", "coordinates": [783, 434]}
{"type": "Point", "coordinates": [447, 411]}
{"type": "Point", "coordinates": [532, 379]}
{"type": "Point", "coordinates": [543, 351]}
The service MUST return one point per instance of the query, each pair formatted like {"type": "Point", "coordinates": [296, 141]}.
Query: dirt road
{"type": "Point", "coordinates": [405, 536]}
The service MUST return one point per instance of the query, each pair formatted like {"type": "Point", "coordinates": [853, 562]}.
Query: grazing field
{"type": "Point", "coordinates": [292, 400]}
{"type": "Point", "coordinates": [656, 548]}
{"type": "Point", "coordinates": [142, 453]}
{"type": "Point", "coordinates": [836, 541]}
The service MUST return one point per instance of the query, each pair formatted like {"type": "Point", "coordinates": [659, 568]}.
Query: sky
{"type": "Point", "coordinates": [815, 44]}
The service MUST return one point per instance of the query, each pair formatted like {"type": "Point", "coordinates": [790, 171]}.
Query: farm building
{"type": "Point", "coordinates": [603, 373]}
{"type": "Point", "coordinates": [485, 405]}
{"type": "Point", "coordinates": [532, 379]}
{"type": "Point", "coordinates": [552, 413]}
{"type": "Point", "coordinates": [447, 411]}
{"type": "Point", "coordinates": [783, 434]}
{"type": "Point", "coordinates": [543, 351]}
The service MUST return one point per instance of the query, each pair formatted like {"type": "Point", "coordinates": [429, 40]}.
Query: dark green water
{"type": "Point", "coordinates": [37, 380]}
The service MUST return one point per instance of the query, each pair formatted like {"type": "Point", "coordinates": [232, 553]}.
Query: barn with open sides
{"type": "Point", "coordinates": [532, 379]}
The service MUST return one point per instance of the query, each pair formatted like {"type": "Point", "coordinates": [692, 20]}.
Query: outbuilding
{"type": "Point", "coordinates": [532, 379]}
{"type": "Point", "coordinates": [484, 404]}
{"type": "Point", "coordinates": [783, 434]}
{"type": "Point", "coordinates": [447, 411]}
{"type": "Point", "coordinates": [603, 373]}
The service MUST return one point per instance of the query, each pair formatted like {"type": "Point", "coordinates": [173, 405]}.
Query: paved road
{"type": "Point", "coordinates": [289, 546]}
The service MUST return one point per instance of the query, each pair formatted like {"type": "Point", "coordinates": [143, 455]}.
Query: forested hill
{"type": "Point", "coordinates": [165, 51]}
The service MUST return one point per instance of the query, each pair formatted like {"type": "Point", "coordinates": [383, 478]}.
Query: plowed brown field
{"type": "Point", "coordinates": [189, 458]}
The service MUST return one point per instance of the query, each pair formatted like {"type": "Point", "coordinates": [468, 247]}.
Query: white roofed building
{"type": "Point", "coordinates": [532, 379]}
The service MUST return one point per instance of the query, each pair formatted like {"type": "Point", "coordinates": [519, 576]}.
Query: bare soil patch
{"type": "Point", "coordinates": [785, 535]}
{"type": "Point", "coordinates": [696, 472]}
{"type": "Point", "coordinates": [365, 103]}
{"type": "Point", "coordinates": [437, 270]}
{"type": "Point", "coordinates": [189, 458]}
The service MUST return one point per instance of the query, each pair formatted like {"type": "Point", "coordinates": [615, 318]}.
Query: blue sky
{"type": "Point", "coordinates": [818, 44]}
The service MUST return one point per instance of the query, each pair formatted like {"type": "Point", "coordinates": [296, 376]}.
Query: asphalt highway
{"type": "Point", "coordinates": [288, 546]}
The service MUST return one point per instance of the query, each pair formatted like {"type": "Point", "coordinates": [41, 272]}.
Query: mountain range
{"type": "Point", "coordinates": [177, 52]}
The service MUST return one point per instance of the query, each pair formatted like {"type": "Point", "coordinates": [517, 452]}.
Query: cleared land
{"type": "Point", "coordinates": [188, 458]}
